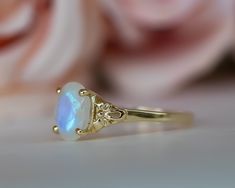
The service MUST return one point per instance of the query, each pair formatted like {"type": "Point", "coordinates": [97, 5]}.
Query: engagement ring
{"type": "Point", "coordinates": [81, 112]}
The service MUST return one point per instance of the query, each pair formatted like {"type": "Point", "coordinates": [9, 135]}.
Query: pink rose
{"type": "Point", "coordinates": [158, 46]}
{"type": "Point", "coordinates": [41, 40]}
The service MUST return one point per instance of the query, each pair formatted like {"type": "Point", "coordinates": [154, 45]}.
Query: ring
{"type": "Point", "coordinates": [81, 112]}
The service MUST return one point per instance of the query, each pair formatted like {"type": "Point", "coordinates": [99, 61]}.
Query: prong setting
{"type": "Point", "coordinates": [78, 102]}
{"type": "Point", "coordinates": [55, 129]}
{"type": "Point", "coordinates": [73, 111]}
{"type": "Point", "coordinates": [58, 90]}
{"type": "Point", "coordinates": [80, 132]}
{"type": "Point", "coordinates": [84, 92]}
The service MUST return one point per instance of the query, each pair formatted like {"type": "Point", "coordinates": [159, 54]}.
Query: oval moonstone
{"type": "Point", "coordinates": [73, 111]}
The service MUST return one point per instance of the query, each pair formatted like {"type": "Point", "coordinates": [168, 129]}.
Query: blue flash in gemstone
{"type": "Point", "coordinates": [73, 111]}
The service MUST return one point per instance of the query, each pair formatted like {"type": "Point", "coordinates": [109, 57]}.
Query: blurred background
{"type": "Point", "coordinates": [176, 54]}
{"type": "Point", "coordinates": [141, 50]}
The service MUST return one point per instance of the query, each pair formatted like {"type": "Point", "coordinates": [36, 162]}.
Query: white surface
{"type": "Point", "coordinates": [128, 156]}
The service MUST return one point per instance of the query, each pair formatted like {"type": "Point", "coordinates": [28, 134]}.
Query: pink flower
{"type": "Point", "coordinates": [158, 46]}
{"type": "Point", "coordinates": [41, 40]}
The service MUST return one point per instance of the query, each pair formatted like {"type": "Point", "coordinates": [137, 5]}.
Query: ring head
{"type": "Point", "coordinates": [72, 111]}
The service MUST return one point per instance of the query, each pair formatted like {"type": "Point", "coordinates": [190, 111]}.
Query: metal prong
{"type": "Point", "coordinates": [58, 90]}
{"type": "Point", "coordinates": [84, 92]}
{"type": "Point", "coordinates": [55, 129]}
{"type": "Point", "coordinates": [80, 132]}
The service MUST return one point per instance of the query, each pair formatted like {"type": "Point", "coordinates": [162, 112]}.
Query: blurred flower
{"type": "Point", "coordinates": [157, 46]}
{"type": "Point", "coordinates": [40, 40]}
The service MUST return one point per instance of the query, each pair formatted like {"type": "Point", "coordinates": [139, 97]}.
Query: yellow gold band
{"type": "Point", "coordinates": [159, 116]}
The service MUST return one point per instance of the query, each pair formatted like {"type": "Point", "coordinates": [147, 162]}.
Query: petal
{"type": "Point", "coordinates": [169, 63]}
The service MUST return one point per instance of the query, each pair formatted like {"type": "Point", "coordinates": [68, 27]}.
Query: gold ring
{"type": "Point", "coordinates": [81, 112]}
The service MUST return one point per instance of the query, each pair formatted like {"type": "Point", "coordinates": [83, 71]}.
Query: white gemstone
{"type": "Point", "coordinates": [73, 111]}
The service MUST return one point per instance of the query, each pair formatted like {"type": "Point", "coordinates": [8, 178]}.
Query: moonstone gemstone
{"type": "Point", "coordinates": [73, 111]}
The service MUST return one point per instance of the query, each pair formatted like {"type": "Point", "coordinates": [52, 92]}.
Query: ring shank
{"type": "Point", "coordinates": [159, 116]}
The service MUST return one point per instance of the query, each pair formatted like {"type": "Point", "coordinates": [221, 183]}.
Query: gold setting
{"type": "Point", "coordinates": [58, 90]}
{"type": "Point", "coordinates": [104, 114]}
{"type": "Point", "coordinates": [55, 129]}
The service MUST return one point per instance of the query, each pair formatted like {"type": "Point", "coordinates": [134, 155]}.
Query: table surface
{"type": "Point", "coordinates": [127, 156]}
